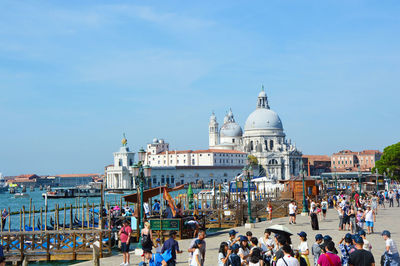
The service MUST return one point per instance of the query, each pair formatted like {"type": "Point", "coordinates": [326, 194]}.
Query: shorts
{"type": "Point", "coordinates": [369, 224]}
{"type": "Point", "coordinates": [124, 247]}
{"type": "Point", "coordinates": [346, 220]}
{"type": "Point", "coordinates": [292, 214]}
{"type": "Point", "coordinates": [323, 211]}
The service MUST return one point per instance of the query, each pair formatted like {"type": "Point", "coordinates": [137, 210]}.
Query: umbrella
{"type": "Point", "coordinates": [277, 228]}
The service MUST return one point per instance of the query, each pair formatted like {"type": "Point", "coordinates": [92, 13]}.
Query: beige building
{"type": "Point", "coordinates": [348, 160]}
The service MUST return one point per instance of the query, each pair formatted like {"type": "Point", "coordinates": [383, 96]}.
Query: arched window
{"type": "Point", "coordinates": [251, 145]}
{"type": "Point", "coordinates": [266, 144]}
{"type": "Point", "coordinates": [273, 162]}
{"type": "Point", "coordinates": [271, 145]}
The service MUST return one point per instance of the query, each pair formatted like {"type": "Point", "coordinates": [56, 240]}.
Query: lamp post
{"type": "Point", "coordinates": [359, 179]}
{"type": "Point", "coordinates": [305, 207]}
{"type": "Point", "coordinates": [377, 179]}
{"type": "Point", "coordinates": [141, 173]}
{"type": "Point", "coordinates": [248, 173]}
{"type": "Point", "coordinates": [335, 181]}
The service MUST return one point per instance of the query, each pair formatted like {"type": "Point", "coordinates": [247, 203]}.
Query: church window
{"type": "Point", "coordinates": [251, 145]}
{"type": "Point", "coordinates": [271, 145]}
{"type": "Point", "coordinates": [130, 162]}
{"type": "Point", "coordinates": [173, 180]}
{"type": "Point", "coordinates": [162, 180]}
{"type": "Point", "coordinates": [154, 180]}
{"type": "Point", "coordinates": [192, 161]}
{"type": "Point", "coordinates": [233, 140]}
{"type": "Point", "coordinates": [120, 162]}
{"type": "Point", "coordinates": [167, 180]}
{"type": "Point", "coordinates": [266, 144]}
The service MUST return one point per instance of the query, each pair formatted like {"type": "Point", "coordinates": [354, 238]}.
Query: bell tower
{"type": "Point", "coordinates": [213, 132]}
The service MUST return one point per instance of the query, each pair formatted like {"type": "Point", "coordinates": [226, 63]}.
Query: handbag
{"type": "Point", "coordinates": [167, 255]}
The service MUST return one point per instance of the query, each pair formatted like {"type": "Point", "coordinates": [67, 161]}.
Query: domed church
{"type": "Point", "coordinates": [263, 137]}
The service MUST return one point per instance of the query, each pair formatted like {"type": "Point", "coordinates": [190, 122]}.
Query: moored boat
{"type": "Point", "coordinates": [21, 195]}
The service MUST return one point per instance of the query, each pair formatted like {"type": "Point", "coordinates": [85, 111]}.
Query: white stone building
{"type": "Point", "coordinates": [119, 175]}
{"type": "Point", "coordinates": [263, 137]}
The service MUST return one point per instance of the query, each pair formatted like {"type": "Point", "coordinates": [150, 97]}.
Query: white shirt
{"type": "Point", "coordinates": [367, 246]}
{"type": "Point", "coordinates": [302, 247]}
{"type": "Point", "coordinates": [158, 248]}
{"type": "Point", "coordinates": [393, 248]}
{"type": "Point", "coordinates": [243, 252]}
{"type": "Point", "coordinates": [369, 217]}
{"type": "Point", "coordinates": [193, 262]}
{"type": "Point", "coordinates": [324, 205]}
{"type": "Point", "coordinates": [290, 261]}
{"type": "Point", "coordinates": [292, 208]}
{"type": "Point", "coordinates": [265, 243]}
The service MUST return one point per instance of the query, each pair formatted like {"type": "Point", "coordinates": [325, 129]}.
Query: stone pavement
{"type": "Point", "coordinates": [387, 219]}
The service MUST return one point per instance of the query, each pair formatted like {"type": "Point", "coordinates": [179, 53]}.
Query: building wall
{"type": "Point", "coordinates": [347, 160]}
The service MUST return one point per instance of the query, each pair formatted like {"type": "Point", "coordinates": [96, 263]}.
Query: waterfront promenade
{"type": "Point", "coordinates": [387, 219]}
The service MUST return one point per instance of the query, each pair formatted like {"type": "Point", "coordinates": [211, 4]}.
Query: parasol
{"type": "Point", "coordinates": [277, 228]}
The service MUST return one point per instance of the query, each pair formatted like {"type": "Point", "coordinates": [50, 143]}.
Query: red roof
{"type": "Point", "coordinates": [29, 176]}
{"type": "Point", "coordinates": [318, 157]}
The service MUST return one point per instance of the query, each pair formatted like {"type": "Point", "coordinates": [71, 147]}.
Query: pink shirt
{"type": "Point", "coordinates": [124, 233]}
{"type": "Point", "coordinates": [324, 261]}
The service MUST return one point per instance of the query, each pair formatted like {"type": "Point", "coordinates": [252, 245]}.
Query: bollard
{"type": "Point", "coordinates": [96, 254]}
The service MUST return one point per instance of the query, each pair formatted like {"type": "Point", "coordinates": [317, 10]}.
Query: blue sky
{"type": "Point", "coordinates": [75, 75]}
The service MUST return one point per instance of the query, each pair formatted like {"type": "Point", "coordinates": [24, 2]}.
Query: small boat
{"type": "Point", "coordinates": [114, 191]}
{"type": "Point", "coordinates": [21, 195]}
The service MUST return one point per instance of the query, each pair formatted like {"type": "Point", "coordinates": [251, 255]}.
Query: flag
{"type": "Point", "coordinates": [171, 202]}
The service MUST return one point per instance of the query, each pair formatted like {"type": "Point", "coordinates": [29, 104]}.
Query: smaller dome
{"type": "Point", "coordinates": [161, 141]}
{"type": "Point", "coordinates": [231, 129]}
{"type": "Point", "coordinates": [262, 94]}
{"type": "Point", "coordinates": [155, 140]}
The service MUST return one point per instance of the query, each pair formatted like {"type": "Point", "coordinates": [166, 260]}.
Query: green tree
{"type": "Point", "coordinates": [389, 163]}
{"type": "Point", "coordinates": [253, 160]}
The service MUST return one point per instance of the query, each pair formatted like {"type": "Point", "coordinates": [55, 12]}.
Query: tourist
{"type": "Point", "coordinates": [367, 246]}
{"type": "Point", "coordinates": [201, 236]}
{"type": "Point", "coordinates": [360, 256]}
{"type": "Point", "coordinates": [324, 207]}
{"type": "Point", "coordinates": [256, 258]}
{"type": "Point", "coordinates": [287, 259]}
{"type": "Point", "coordinates": [125, 236]}
{"type": "Point", "coordinates": [352, 219]}
{"type": "Point", "coordinates": [156, 207]}
{"type": "Point", "coordinates": [266, 243]}
{"type": "Point", "coordinates": [146, 237]}
{"type": "Point", "coordinates": [158, 246]}
{"type": "Point", "coordinates": [329, 258]}
{"type": "Point", "coordinates": [301, 260]}
{"type": "Point", "coordinates": [179, 211]}
{"type": "Point", "coordinates": [292, 212]}
{"type": "Point", "coordinates": [244, 251]}
{"type": "Point", "coordinates": [232, 238]}
{"type": "Point", "coordinates": [346, 216]}
{"type": "Point", "coordinates": [374, 203]}
{"type": "Point", "coordinates": [4, 216]}
{"type": "Point", "coordinates": [154, 260]}
{"type": "Point", "coordinates": [168, 211]}
{"type": "Point", "coordinates": [314, 217]}
{"type": "Point", "coordinates": [303, 246]}
{"type": "Point", "coordinates": [391, 251]}
{"type": "Point", "coordinates": [249, 235]}
{"type": "Point", "coordinates": [347, 248]}
{"type": "Point", "coordinates": [398, 197]}
{"type": "Point", "coordinates": [340, 215]}
{"type": "Point", "coordinates": [194, 225]}
{"type": "Point", "coordinates": [327, 239]}
{"type": "Point", "coordinates": [391, 198]}
{"type": "Point", "coordinates": [316, 248]}
{"type": "Point", "coordinates": [173, 245]}
{"type": "Point", "coordinates": [223, 254]}
{"type": "Point", "coordinates": [196, 255]}
{"type": "Point", "coordinates": [370, 219]}
{"type": "Point", "coordinates": [269, 211]}
{"type": "Point", "coordinates": [381, 200]}
{"type": "Point", "coordinates": [360, 219]}
{"type": "Point", "coordinates": [234, 259]}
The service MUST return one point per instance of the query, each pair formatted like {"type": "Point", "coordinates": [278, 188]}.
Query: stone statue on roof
{"type": "Point", "coordinates": [124, 141]}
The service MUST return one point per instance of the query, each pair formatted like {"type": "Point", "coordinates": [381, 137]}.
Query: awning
{"type": "Point", "coordinates": [152, 192]}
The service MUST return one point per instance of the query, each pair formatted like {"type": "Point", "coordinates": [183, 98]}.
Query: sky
{"type": "Point", "coordinates": [76, 75]}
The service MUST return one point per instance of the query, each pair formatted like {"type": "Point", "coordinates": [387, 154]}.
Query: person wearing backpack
{"type": "Point", "coordinates": [146, 238]}
{"type": "Point", "coordinates": [346, 248]}
{"type": "Point", "coordinates": [125, 236]}
{"type": "Point", "coordinates": [154, 259]}
{"type": "Point", "coordinates": [171, 244]}
{"type": "Point", "coordinates": [234, 259]}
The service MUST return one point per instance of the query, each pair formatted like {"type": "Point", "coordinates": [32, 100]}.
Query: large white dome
{"type": "Point", "coordinates": [263, 118]}
{"type": "Point", "coordinates": [231, 129]}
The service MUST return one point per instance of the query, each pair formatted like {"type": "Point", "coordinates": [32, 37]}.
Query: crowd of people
{"type": "Point", "coordinates": [356, 215]}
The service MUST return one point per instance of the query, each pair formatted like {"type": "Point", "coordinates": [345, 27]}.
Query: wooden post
{"type": "Point", "coordinates": [45, 220]}
{"type": "Point", "coordinates": [83, 217]}
{"type": "Point", "coordinates": [33, 219]}
{"type": "Point", "coordinates": [65, 215]}
{"type": "Point", "coordinates": [23, 217]}
{"type": "Point", "coordinates": [74, 246]}
{"type": "Point", "coordinates": [58, 217]}
{"type": "Point", "coordinates": [71, 213]}
{"type": "Point", "coordinates": [96, 259]}
{"type": "Point", "coordinates": [30, 210]}
{"type": "Point", "coordinates": [41, 219]}
{"type": "Point", "coordinates": [9, 220]}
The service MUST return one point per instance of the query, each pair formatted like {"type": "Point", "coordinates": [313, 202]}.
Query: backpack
{"type": "Point", "coordinates": [256, 255]}
{"type": "Point", "coordinates": [146, 240]}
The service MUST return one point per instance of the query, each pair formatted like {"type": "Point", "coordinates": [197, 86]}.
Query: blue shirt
{"type": "Point", "coordinates": [346, 251]}
{"type": "Point", "coordinates": [171, 244]}
{"type": "Point", "coordinates": [234, 260]}
{"type": "Point", "coordinates": [156, 207]}
{"type": "Point", "coordinates": [156, 260]}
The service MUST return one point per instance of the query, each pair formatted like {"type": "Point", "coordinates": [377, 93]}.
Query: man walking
{"type": "Point", "coordinates": [292, 212]}
{"type": "Point", "coordinates": [173, 245]}
{"type": "Point", "coordinates": [360, 256]}
{"type": "Point", "coordinates": [201, 236]}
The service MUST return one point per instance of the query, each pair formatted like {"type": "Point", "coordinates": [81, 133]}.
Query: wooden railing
{"type": "Point", "coordinates": [55, 245]}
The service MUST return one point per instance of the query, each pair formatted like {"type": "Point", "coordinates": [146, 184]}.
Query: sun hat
{"type": "Point", "coordinates": [386, 233]}
{"type": "Point", "coordinates": [302, 234]}
{"type": "Point", "coordinates": [318, 237]}
{"type": "Point", "coordinates": [232, 232]}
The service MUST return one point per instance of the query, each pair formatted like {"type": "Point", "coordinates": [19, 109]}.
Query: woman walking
{"type": "Point", "coordinates": [147, 238]}
{"type": "Point", "coordinates": [303, 247]}
{"type": "Point", "coordinates": [314, 217]}
{"type": "Point", "coordinates": [352, 217]}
